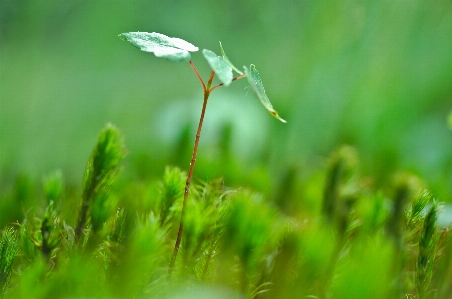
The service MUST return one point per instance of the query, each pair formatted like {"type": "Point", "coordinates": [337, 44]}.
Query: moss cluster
{"type": "Point", "coordinates": [358, 242]}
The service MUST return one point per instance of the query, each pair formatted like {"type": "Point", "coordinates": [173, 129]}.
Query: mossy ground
{"type": "Point", "coordinates": [356, 242]}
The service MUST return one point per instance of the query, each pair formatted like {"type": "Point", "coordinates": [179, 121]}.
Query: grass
{"type": "Point", "coordinates": [357, 242]}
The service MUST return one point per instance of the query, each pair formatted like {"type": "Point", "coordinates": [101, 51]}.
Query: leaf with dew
{"type": "Point", "coordinates": [171, 48]}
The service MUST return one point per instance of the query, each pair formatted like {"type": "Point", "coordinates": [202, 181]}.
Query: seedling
{"type": "Point", "coordinates": [176, 49]}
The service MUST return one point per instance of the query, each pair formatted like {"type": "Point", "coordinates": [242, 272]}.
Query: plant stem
{"type": "Point", "coordinates": [192, 166]}
{"type": "Point", "coordinates": [233, 79]}
{"type": "Point", "coordinates": [199, 77]}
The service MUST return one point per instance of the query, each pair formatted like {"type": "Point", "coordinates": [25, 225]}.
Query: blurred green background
{"type": "Point", "coordinates": [373, 74]}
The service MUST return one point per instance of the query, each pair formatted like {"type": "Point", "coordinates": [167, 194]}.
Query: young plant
{"type": "Point", "coordinates": [176, 49]}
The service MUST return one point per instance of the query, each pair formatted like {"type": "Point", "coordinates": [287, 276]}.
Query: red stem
{"type": "Point", "coordinates": [190, 171]}
{"type": "Point", "coordinates": [233, 79]}
{"type": "Point", "coordinates": [199, 77]}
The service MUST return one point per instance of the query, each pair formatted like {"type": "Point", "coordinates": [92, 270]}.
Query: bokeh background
{"type": "Point", "coordinates": [376, 75]}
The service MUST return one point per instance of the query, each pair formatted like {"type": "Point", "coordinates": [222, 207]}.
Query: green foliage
{"type": "Point", "coordinates": [325, 64]}
{"type": "Point", "coordinates": [404, 189]}
{"type": "Point", "coordinates": [389, 103]}
{"type": "Point", "coordinates": [100, 172]}
{"type": "Point", "coordinates": [43, 233]}
{"type": "Point", "coordinates": [223, 54]}
{"type": "Point", "coordinates": [177, 49]}
{"type": "Point", "coordinates": [203, 227]}
{"type": "Point", "coordinates": [170, 190]}
{"type": "Point", "coordinates": [360, 243]}
{"type": "Point", "coordinates": [249, 221]}
{"type": "Point", "coordinates": [318, 249]}
{"type": "Point", "coordinates": [143, 257]}
{"type": "Point", "coordinates": [355, 281]}
{"type": "Point", "coordinates": [427, 252]}
{"type": "Point", "coordinates": [443, 268]}
{"type": "Point", "coordinates": [53, 186]}
{"type": "Point", "coordinates": [256, 85]}
{"type": "Point", "coordinates": [251, 232]}
{"type": "Point", "coordinates": [20, 196]}
{"type": "Point", "coordinates": [220, 66]}
{"type": "Point", "coordinates": [235, 240]}
{"type": "Point", "coordinates": [415, 212]}
{"type": "Point", "coordinates": [171, 48]}
{"type": "Point", "coordinates": [339, 193]}
{"type": "Point", "coordinates": [373, 210]}
{"type": "Point", "coordinates": [8, 251]}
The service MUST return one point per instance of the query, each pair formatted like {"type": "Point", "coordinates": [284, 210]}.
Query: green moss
{"type": "Point", "coordinates": [233, 238]}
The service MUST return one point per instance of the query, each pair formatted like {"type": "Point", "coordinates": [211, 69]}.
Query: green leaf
{"type": "Point", "coordinates": [171, 48]}
{"type": "Point", "coordinates": [256, 84]}
{"type": "Point", "coordinates": [228, 61]}
{"type": "Point", "coordinates": [219, 66]}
